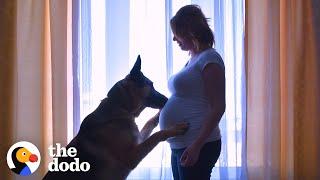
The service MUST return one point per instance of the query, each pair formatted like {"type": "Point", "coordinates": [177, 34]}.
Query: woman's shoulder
{"type": "Point", "coordinates": [210, 53]}
{"type": "Point", "coordinates": [210, 56]}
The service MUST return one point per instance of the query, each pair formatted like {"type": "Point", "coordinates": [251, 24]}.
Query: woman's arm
{"type": "Point", "coordinates": [214, 81]}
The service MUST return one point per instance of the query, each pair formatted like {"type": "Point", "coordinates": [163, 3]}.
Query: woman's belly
{"type": "Point", "coordinates": [179, 110]}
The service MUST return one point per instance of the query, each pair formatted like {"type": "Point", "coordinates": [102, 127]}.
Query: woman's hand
{"type": "Point", "coordinates": [191, 155]}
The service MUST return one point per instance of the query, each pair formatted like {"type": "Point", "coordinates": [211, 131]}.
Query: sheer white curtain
{"type": "Point", "coordinates": [109, 36]}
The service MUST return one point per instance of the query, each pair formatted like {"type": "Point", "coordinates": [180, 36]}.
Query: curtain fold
{"type": "Point", "coordinates": [282, 90]}
{"type": "Point", "coordinates": [34, 71]}
{"type": "Point", "coordinates": [8, 17]}
{"type": "Point", "coordinates": [61, 64]}
{"type": "Point", "coordinates": [28, 94]}
{"type": "Point", "coordinates": [306, 89]}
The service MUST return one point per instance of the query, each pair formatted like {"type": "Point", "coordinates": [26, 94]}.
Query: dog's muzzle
{"type": "Point", "coordinates": [156, 100]}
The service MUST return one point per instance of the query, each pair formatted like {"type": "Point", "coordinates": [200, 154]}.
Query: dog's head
{"type": "Point", "coordinates": [136, 91]}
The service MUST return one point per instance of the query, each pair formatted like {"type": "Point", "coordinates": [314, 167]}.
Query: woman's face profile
{"type": "Point", "coordinates": [184, 43]}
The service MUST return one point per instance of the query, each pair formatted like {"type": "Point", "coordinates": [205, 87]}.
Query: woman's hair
{"type": "Point", "coordinates": [189, 22]}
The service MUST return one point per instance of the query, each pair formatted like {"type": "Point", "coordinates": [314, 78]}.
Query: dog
{"type": "Point", "coordinates": [109, 139]}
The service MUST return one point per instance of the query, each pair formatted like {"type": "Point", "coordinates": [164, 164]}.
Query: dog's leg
{"type": "Point", "coordinates": [141, 150]}
{"type": "Point", "coordinates": [149, 126]}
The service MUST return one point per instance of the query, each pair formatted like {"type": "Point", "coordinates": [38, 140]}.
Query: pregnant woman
{"type": "Point", "coordinates": [198, 97]}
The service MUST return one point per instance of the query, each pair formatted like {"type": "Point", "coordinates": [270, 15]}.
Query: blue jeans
{"type": "Point", "coordinates": [209, 155]}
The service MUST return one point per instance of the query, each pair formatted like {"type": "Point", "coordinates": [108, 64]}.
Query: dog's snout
{"type": "Point", "coordinates": [156, 100]}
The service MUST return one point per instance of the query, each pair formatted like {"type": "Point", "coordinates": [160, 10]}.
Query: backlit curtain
{"type": "Point", "coordinates": [283, 77]}
{"type": "Point", "coordinates": [34, 77]}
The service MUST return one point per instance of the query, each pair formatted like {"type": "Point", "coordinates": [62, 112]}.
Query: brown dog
{"type": "Point", "coordinates": [109, 139]}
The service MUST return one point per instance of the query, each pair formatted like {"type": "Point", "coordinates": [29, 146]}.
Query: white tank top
{"type": "Point", "coordinates": [188, 102]}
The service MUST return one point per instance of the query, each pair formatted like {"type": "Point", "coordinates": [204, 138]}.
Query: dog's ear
{"type": "Point", "coordinates": [137, 67]}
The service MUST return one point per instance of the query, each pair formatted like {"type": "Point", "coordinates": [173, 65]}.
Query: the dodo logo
{"type": "Point", "coordinates": [23, 158]}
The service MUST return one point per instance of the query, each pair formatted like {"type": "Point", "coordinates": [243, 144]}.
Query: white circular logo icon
{"type": "Point", "coordinates": [23, 158]}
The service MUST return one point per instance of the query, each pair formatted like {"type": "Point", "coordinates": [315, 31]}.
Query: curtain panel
{"type": "Point", "coordinates": [282, 89]}
{"type": "Point", "coordinates": [35, 77]}
{"type": "Point", "coordinates": [7, 75]}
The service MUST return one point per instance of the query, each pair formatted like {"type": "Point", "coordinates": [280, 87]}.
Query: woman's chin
{"type": "Point", "coordinates": [183, 48]}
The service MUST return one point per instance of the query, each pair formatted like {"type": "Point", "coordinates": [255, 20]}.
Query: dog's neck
{"type": "Point", "coordinates": [115, 110]}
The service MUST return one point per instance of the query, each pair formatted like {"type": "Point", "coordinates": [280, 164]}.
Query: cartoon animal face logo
{"type": "Point", "coordinates": [23, 158]}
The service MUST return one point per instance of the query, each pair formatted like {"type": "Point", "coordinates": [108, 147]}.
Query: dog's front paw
{"type": "Point", "coordinates": [154, 121]}
{"type": "Point", "coordinates": [178, 129]}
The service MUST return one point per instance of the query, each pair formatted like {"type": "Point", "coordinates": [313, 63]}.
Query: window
{"type": "Point", "coordinates": [110, 35]}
